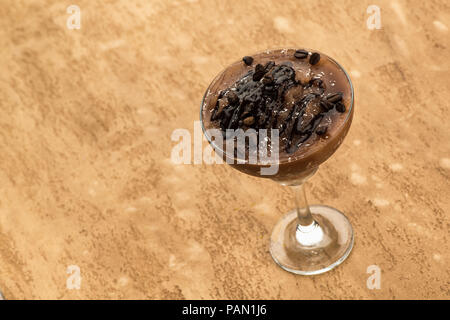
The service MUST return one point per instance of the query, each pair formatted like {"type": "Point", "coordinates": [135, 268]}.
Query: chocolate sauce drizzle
{"type": "Point", "coordinates": [270, 97]}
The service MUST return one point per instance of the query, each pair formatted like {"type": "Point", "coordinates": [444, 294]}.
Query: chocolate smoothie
{"type": "Point", "coordinates": [304, 94]}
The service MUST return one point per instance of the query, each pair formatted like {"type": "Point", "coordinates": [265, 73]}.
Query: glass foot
{"type": "Point", "coordinates": [313, 249]}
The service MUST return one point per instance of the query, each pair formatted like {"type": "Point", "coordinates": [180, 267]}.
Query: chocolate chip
{"type": "Point", "coordinates": [301, 54]}
{"type": "Point", "coordinates": [314, 59]}
{"type": "Point", "coordinates": [334, 97]}
{"type": "Point", "coordinates": [321, 129]}
{"type": "Point", "coordinates": [247, 60]}
{"type": "Point", "coordinates": [340, 107]}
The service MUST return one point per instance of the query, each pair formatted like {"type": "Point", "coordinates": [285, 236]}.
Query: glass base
{"type": "Point", "coordinates": [313, 249]}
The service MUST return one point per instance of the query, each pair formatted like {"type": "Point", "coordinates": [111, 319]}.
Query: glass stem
{"type": "Point", "coordinates": [303, 213]}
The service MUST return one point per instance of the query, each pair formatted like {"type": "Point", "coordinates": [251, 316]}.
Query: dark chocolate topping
{"type": "Point", "coordinates": [270, 97]}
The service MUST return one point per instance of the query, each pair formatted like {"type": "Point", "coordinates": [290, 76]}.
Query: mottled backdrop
{"type": "Point", "coordinates": [85, 143]}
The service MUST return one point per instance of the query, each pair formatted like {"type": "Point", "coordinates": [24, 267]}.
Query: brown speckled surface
{"type": "Point", "coordinates": [85, 171]}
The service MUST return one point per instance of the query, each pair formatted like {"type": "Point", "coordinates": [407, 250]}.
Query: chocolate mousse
{"type": "Point", "coordinates": [303, 94]}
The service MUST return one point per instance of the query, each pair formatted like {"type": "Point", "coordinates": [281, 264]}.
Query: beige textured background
{"type": "Point", "coordinates": [85, 171]}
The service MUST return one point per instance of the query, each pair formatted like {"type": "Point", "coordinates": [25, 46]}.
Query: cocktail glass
{"type": "Point", "coordinates": [310, 239]}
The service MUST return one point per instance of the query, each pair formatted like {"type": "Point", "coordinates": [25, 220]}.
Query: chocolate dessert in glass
{"type": "Point", "coordinates": [279, 114]}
